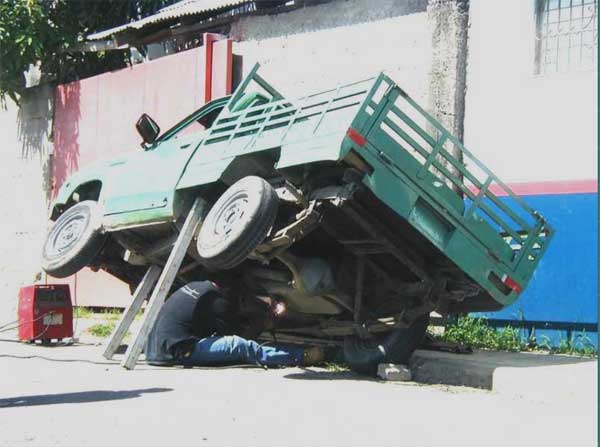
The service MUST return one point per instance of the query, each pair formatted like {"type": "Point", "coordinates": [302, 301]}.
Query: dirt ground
{"type": "Point", "coordinates": [71, 396]}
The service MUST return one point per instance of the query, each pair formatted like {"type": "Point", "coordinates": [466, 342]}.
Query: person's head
{"type": "Point", "coordinates": [225, 289]}
{"type": "Point", "coordinates": [224, 304]}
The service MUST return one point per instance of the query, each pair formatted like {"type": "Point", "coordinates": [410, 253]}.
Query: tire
{"type": "Point", "coordinates": [74, 240]}
{"type": "Point", "coordinates": [363, 355]}
{"type": "Point", "coordinates": [237, 223]}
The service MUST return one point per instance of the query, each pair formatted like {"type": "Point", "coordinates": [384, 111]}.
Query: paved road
{"type": "Point", "coordinates": [70, 396]}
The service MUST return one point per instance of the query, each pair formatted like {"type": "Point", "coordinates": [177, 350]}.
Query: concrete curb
{"type": "Point", "coordinates": [530, 375]}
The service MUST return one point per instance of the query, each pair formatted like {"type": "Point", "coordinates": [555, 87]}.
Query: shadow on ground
{"type": "Point", "coordinates": [497, 359]}
{"type": "Point", "coordinates": [76, 398]}
{"type": "Point", "coordinates": [311, 374]}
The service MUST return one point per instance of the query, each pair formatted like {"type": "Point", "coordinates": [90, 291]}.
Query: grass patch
{"type": "Point", "coordinates": [82, 312]}
{"type": "Point", "coordinates": [105, 314]}
{"type": "Point", "coordinates": [577, 345]}
{"type": "Point", "coordinates": [334, 367]}
{"type": "Point", "coordinates": [102, 330]}
{"type": "Point", "coordinates": [110, 315]}
{"type": "Point", "coordinates": [476, 332]}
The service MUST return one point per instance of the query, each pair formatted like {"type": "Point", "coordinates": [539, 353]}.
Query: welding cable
{"type": "Point", "coordinates": [49, 359]}
{"type": "Point", "coordinates": [27, 322]}
{"type": "Point", "coordinates": [3, 328]}
{"type": "Point", "coordinates": [8, 324]}
{"type": "Point", "coordinates": [42, 333]}
{"type": "Point", "coordinates": [10, 340]}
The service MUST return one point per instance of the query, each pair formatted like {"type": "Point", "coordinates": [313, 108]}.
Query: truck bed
{"type": "Point", "coordinates": [416, 167]}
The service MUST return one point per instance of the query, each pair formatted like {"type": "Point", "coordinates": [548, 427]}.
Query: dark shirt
{"type": "Point", "coordinates": [195, 311]}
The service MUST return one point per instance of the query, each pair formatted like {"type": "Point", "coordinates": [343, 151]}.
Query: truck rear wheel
{"type": "Point", "coordinates": [363, 355]}
{"type": "Point", "coordinates": [74, 240]}
{"type": "Point", "coordinates": [238, 221]}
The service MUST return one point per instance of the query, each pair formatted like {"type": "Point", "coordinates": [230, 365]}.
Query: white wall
{"type": "Point", "coordinates": [317, 47]}
{"type": "Point", "coordinates": [23, 211]}
{"type": "Point", "coordinates": [525, 127]}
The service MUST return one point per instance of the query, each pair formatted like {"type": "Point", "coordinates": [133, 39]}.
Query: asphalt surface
{"type": "Point", "coordinates": [71, 396]}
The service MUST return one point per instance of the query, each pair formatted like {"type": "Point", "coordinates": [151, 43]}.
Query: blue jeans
{"type": "Point", "coordinates": [234, 350]}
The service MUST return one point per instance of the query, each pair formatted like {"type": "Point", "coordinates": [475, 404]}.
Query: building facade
{"type": "Point", "coordinates": [515, 79]}
{"type": "Point", "coordinates": [532, 116]}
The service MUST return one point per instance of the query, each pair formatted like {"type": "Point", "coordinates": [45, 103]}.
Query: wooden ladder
{"type": "Point", "coordinates": [156, 282]}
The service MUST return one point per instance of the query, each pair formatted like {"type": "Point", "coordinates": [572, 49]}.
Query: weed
{"type": "Point", "coordinates": [110, 314]}
{"type": "Point", "coordinates": [476, 332]}
{"type": "Point", "coordinates": [102, 330]}
{"type": "Point", "coordinates": [334, 367]}
{"type": "Point", "coordinates": [106, 314]}
{"type": "Point", "coordinates": [82, 312]}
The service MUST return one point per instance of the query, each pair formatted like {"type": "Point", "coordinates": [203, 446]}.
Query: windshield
{"type": "Point", "coordinates": [198, 121]}
{"type": "Point", "coordinates": [204, 117]}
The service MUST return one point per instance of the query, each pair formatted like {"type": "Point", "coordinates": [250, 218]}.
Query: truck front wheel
{"type": "Point", "coordinates": [74, 240]}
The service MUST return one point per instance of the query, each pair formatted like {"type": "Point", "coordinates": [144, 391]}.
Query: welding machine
{"type": "Point", "coordinates": [45, 313]}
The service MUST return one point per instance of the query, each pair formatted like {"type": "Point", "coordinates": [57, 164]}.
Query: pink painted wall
{"type": "Point", "coordinates": [95, 119]}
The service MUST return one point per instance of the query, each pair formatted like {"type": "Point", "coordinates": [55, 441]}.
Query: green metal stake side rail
{"type": "Point", "coordinates": [415, 166]}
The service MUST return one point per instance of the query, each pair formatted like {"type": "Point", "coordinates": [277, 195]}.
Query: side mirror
{"type": "Point", "coordinates": [147, 128]}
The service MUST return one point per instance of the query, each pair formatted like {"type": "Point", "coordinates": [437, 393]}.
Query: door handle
{"type": "Point", "coordinates": [185, 146]}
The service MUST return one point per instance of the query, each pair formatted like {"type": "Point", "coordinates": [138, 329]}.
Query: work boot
{"type": "Point", "coordinates": [313, 356]}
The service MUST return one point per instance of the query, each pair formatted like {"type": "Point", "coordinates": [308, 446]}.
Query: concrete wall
{"type": "Point", "coordinates": [301, 51]}
{"type": "Point", "coordinates": [316, 47]}
{"type": "Point", "coordinates": [526, 127]}
{"type": "Point", "coordinates": [540, 130]}
{"type": "Point", "coordinates": [24, 157]}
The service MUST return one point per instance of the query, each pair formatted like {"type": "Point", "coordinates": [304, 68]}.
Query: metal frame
{"type": "Point", "coordinates": [525, 240]}
{"type": "Point", "coordinates": [571, 23]}
{"type": "Point", "coordinates": [380, 102]}
{"type": "Point", "coordinates": [281, 112]}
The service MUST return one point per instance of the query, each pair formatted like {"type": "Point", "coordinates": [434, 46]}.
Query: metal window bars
{"type": "Point", "coordinates": [566, 35]}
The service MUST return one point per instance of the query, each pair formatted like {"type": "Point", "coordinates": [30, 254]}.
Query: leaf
{"type": "Point", "coordinates": [39, 30]}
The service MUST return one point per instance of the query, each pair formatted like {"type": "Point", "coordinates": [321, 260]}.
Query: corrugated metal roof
{"type": "Point", "coordinates": [174, 11]}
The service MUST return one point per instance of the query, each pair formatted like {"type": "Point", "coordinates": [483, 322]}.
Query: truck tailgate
{"type": "Point", "coordinates": [455, 190]}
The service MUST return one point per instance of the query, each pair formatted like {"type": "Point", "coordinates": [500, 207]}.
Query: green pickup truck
{"type": "Point", "coordinates": [352, 209]}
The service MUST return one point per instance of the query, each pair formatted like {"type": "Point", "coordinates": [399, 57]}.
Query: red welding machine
{"type": "Point", "coordinates": [45, 313]}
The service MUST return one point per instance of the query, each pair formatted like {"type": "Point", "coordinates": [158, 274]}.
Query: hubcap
{"type": "Point", "coordinates": [231, 214]}
{"type": "Point", "coordinates": [69, 234]}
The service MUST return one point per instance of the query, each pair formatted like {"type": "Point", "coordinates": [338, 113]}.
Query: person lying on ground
{"type": "Point", "coordinates": [197, 326]}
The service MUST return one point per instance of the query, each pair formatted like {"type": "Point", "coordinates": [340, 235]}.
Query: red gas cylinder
{"type": "Point", "coordinates": [45, 312]}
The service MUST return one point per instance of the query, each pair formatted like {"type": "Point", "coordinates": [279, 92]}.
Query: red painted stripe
{"type": "Point", "coordinates": [547, 188]}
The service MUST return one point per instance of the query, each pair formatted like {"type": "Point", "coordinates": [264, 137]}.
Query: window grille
{"type": "Point", "coordinates": [566, 35]}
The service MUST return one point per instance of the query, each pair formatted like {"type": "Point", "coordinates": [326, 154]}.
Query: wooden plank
{"type": "Point", "coordinates": [164, 283]}
{"type": "Point", "coordinates": [141, 293]}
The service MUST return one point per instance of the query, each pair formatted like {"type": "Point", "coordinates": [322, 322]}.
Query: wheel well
{"type": "Point", "coordinates": [86, 191]}
{"type": "Point", "coordinates": [261, 164]}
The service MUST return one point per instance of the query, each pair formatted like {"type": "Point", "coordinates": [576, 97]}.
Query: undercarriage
{"type": "Point", "coordinates": [331, 266]}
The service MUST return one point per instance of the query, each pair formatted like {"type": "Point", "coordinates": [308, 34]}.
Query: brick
{"type": "Point", "coordinates": [391, 371]}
